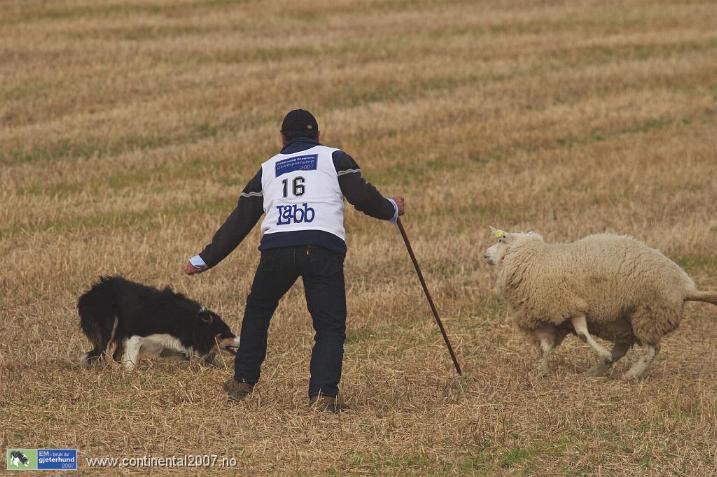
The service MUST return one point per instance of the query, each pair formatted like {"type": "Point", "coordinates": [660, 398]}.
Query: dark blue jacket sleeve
{"type": "Point", "coordinates": [238, 225]}
{"type": "Point", "coordinates": [360, 193]}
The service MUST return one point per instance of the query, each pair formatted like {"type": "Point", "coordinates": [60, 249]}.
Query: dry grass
{"type": "Point", "coordinates": [127, 129]}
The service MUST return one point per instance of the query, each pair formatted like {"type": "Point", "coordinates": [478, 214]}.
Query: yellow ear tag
{"type": "Point", "coordinates": [499, 234]}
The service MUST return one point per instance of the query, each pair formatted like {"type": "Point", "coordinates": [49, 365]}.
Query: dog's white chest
{"type": "Point", "coordinates": [150, 345]}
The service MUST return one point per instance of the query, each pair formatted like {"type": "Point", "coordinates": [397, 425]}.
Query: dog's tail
{"type": "Point", "coordinates": [705, 296]}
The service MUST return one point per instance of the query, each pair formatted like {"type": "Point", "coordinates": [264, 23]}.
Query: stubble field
{"type": "Point", "coordinates": [128, 128]}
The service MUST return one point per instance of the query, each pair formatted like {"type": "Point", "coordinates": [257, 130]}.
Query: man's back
{"type": "Point", "coordinates": [336, 176]}
{"type": "Point", "coordinates": [302, 193]}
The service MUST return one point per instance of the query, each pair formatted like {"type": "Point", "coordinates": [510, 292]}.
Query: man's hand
{"type": "Point", "coordinates": [401, 203]}
{"type": "Point", "coordinates": [190, 269]}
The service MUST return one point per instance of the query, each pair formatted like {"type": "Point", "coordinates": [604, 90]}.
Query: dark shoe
{"type": "Point", "coordinates": [237, 390]}
{"type": "Point", "coordinates": [327, 403]}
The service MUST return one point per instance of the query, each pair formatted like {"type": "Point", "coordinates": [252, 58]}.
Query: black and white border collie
{"type": "Point", "coordinates": [141, 320]}
{"type": "Point", "coordinates": [17, 458]}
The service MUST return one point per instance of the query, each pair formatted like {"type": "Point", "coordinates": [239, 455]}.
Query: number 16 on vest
{"type": "Point", "coordinates": [293, 214]}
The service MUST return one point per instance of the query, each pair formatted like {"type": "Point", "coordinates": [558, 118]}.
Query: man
{"type": "Point", "coordinates": [300, 191]}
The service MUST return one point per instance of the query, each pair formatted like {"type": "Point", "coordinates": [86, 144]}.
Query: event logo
{"type": "Point", "coordinates": [296, 163]}
{"type": "Point", "coordinates": [41, 459]}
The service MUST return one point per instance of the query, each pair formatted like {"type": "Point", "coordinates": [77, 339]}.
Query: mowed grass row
{"type": "Point", "coordinates": [127, 130]}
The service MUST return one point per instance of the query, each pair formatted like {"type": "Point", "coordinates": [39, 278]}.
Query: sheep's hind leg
{"type": "Point", "coordinates": [641, 364]}
{"type": "Point", "coordinates": [618, 351]}
{"type": "Point", "coordinates": [581, 328]}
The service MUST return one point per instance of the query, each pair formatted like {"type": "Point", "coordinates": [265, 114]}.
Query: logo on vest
{"type": "Point", "coordinates": [293, 214]}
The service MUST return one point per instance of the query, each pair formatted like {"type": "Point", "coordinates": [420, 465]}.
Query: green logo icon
{"type": "Point", "coordinates": [21, 459]}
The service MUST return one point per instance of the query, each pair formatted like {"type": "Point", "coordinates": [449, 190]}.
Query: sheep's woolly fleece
{"type": "Point", "coordinates": [604, 277]}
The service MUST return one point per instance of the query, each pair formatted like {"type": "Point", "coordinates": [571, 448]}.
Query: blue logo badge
{"type": "Point", "coordinates": [296, 163]}
{"type": "Point", "coordinates": [41, 459]}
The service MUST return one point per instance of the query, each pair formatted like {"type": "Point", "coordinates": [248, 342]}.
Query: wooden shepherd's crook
{"type": "Point", "coordinates": [428, 296]}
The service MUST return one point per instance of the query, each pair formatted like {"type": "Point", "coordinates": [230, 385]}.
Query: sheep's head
{"type": "Point", "coordinates": [494, 254]}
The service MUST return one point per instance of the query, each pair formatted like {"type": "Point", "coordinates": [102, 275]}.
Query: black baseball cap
{"type": "Point", "coordinates": [299, 122]}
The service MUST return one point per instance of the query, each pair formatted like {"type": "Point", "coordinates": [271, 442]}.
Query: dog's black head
{"type": "Point", "coordinates": [212, 335]}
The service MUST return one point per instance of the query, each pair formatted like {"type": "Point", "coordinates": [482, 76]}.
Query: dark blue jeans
{"type": "Point", "coordinates": [323, 273]}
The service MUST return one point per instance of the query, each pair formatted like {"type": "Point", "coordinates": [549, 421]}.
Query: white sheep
{"type": "Point", "coordinates": [618, 288]}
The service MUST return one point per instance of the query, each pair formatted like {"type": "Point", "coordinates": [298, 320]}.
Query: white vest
{"type": "Point", "coordinates": [301, 192]}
